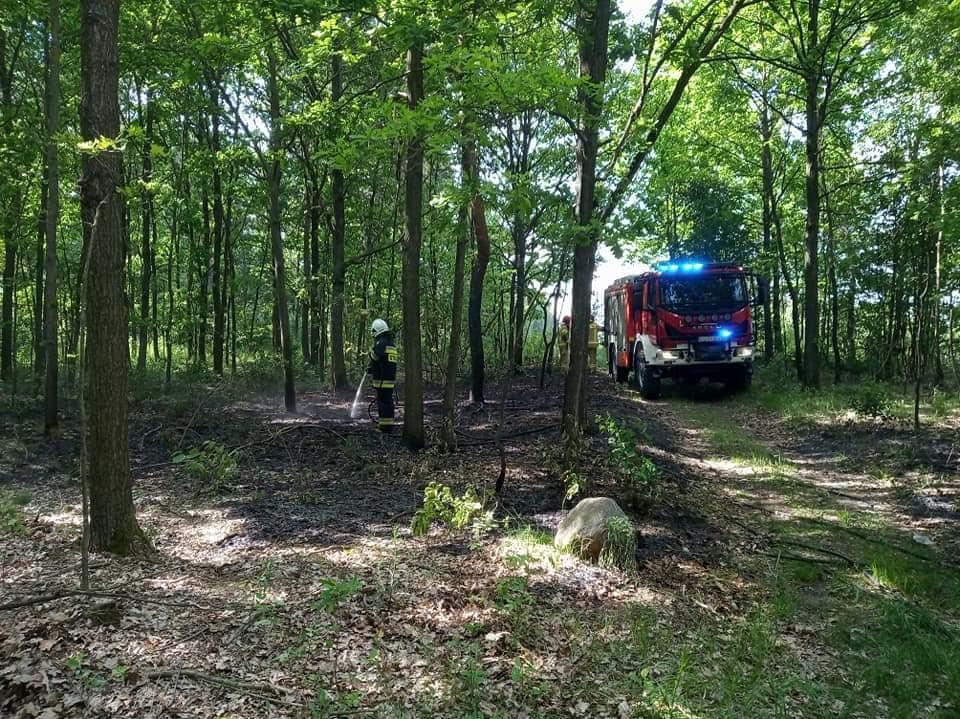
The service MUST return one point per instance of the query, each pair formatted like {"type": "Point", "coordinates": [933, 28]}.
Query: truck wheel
{"type": "Point", "coordinates": [623, 374]}
{"type": "Point", "coordinates": [644, 380]}
{"type": "Point", "coordinates": [739, 379]}
{"type": "Point", "coordinates": [611, 360]}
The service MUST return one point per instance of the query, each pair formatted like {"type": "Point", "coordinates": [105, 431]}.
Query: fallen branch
{"type": "Point", "coordinates": [491, 440]}
{"type": "Point", "coordinates": [62, 593]}
{"type": "Point", "coordinates": [267, 692]}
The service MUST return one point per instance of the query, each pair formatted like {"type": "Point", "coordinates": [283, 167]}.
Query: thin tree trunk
{"type": "Point", "coordinates": [39, 358]}
{"type": "Point", "coordinates": [276, 237]}
{"type": "Point", "coordinates": [113, 521]}
{"type": "Point", "coordinates": [315, 309]}
{"type": "Point", "coordinates": [307, 275]}
{"type": "Point", "coordinates": [448, 435]}
{"type": "Point", "coordinates": [834, 289]}
{"type": "Point", "coordinates": [766, 157]}
{"type": "Point", "coordinates": [338, 367]}
{"type": "Point", "coordinates": [51, 422]}
{"type": "Point", "coordinates": [478, 223]}
{"type": "Point", "coordinates": [413, 431]}
{"type": "Point", "coordinates": [6, 307]}
{"type": "Point", "coordinates": [215, 272]}
{"type": "Point", "coordinates": [593, 25]}
{"type": "Point", "coordinates": [811, 350]}
{"type": "Point", "coordinates": [146, 262]}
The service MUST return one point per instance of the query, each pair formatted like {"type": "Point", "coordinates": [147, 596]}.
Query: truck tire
{"type": "Point", "coordinates": [644, 379]}
{"type": "Point", "coordinates": [612, 360]}
{"type": "Point", "coordinates": [623, 374]}
{"type": "Point", "coordinates": [739, 379]}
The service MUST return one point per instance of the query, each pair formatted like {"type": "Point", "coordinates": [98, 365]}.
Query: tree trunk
{"type": "Point", "coordinates": [478, 224]}
{"type": "Point", "coordinates": [448, 434]}
{"type": "Point", "coordinates": [338, 366]}
{"type": "Point", "coordinates": [811, 349]}
{"type": "Point", "coordinates": [6, 307]}
{"type": "Point", "coordinates": [834, 289]}
{"type": "Point", "coordinates": [51, 422]}
{"type": "Point", "coordinates": [146, 260]}
{"type": "Point", "coordinates": [413, 433]}
{"type": "Point", "coordinates": [937, 287]}
{"type": "Point", "coordinates": [305, 301]}
{"type": "Point", "coordinates": [593, 25]}
{"type": "Point", "coordinates": [113, 521]}
{"type": "Point", "coordinates": [215, 272]}
{"type": "Point", "coordinates": [276, 237]}
{"type": "Point", "coordinates": [316, 322]}
{"type": "Point", "coordinates": [766, 157]}
{"type": "Point", "coordinates": [39, 357]}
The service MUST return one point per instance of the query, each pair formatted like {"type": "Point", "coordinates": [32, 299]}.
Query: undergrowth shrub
{"type": "Point", "coordinates": [441, 505]}
{"type": "Point", "coordinates": [637, 476]}
{"type": "Point", "coordinates": [872, 400]}
{"type": "Point", "coordinates": [11, 516]}
{"type": "Point", "coordinates": [210, 463]}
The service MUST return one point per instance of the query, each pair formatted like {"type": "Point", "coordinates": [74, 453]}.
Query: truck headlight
{"type": "Point", "coordinates": [744, 351]}
{"type": "Point", "coordinates": [670, 355]}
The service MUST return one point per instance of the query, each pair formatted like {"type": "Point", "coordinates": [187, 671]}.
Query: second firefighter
{"type": "Point", "coordinates": [383, 372]}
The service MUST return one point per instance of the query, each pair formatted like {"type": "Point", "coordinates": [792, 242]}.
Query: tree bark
{"type": "Point", "coordinates": [593, 25]}
{"type": "Point", "coordinates": [276, 237]}
{"type": "Point", "coordinates": [413, 432]}
{"type": "Point", "coordinates": [51, 421]}
{"type": "Point", "coordinates": [113, 521]}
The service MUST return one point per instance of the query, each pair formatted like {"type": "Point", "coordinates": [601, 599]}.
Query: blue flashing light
{"type": "Point", "coordinates": [678, 267]}
{"type": "Point", "coordinates": [724, 334]}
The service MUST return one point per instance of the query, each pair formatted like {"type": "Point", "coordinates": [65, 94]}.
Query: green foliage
{"type": "Point", "coordinates": [337, 591]}
{"type": "Point", "coordinates": [638, 476]}
{"type": "Point", "coordinates": [11, 515]}
{"type": "Point", "coordinates": [441, 505]}
{"type": "Point", "coordinates": [620, 546]}
{"type": "Point", "coordinates": [210, 464]}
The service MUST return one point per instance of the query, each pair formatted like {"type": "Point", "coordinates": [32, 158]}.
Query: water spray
{"type": "Point", "coordinates": [355, 412]}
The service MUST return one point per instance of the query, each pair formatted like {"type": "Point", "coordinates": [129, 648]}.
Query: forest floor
{"type": "Point", "coordinates": [800, 561]}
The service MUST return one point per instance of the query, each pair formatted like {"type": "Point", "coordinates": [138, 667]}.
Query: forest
{"type": "Point", "coordinates": [215, 216]}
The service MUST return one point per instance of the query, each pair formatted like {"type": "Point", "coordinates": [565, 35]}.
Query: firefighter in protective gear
{"type": "Point", "coordinates": [593, 342]}
{"type": "Point", "coordinates": [383, 372]}
{"type": "Point", "coordinates": [565, 343]}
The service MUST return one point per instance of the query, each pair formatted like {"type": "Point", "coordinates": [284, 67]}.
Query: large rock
{"type": "Point", "coordinates": [584, 529]}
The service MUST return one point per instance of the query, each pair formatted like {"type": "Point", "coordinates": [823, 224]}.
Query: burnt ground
{"type": "Point", "coordinates": [319, 500]}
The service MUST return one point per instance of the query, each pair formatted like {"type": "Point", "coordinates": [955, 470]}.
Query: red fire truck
{"type": "Point", "coordinates": [684, 320]}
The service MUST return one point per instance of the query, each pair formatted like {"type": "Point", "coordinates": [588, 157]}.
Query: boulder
{"type": "Point", "coordinates": [584, 529]}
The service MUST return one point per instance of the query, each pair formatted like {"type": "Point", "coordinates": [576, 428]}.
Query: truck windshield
{"type": "Point", "coordinates": [707, 289]}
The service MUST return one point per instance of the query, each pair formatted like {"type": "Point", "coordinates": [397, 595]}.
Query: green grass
{"type": "Point", "coordinates": [887, 631]}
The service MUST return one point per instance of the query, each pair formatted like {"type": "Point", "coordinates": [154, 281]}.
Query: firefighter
{"type": "Point", "coordinates": [565, 343]}
{"type": "Point", "coordinates": [383, 372]}
{"type": "Point", "coordinates": [592, 343]}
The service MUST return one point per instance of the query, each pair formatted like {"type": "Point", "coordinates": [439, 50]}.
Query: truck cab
{"type": "Point", "coordinates": [684, 320]}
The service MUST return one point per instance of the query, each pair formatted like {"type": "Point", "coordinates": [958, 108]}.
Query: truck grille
{"type": "Point", "coordinates": [710, 351]}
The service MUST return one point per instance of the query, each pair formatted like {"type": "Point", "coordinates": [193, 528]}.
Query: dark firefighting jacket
{"type": "Point", "coordinates": [383, 362]}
